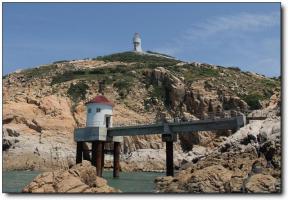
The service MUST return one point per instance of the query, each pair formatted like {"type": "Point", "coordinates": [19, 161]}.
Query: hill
{"type": "Point", "coordinates": [43, 105]}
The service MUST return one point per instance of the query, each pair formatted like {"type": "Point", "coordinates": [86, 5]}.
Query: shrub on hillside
{"type": "Point", "coordinates": [124, 86]}
{"type": "Point", "coordinates": [129, 57]}
{"type": "Point", "coordinates": [237, 69]}
{"type": "Point", "coordinates": [60, 78]}
{"type": "Point", "coordinates": [60, 61]}
{"type": "Point", "coordinates": [253, 100]}
{"type": "Point", "coordinates": [41, 71]}
{"type": "Point", "coordinates": [161, 54]}
{"type": "Point", "coordinates": [77, 91]}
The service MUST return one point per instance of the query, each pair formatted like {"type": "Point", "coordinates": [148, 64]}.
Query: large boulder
{"type": "Point", "coordinates": [81, 178]}
{"type": "Point", "coordinates": [210, 179]}
{"type": "Point", "coordinates": [261, 183]}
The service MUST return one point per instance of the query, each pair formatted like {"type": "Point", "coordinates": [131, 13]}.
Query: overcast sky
{"type": "Point", "coordinates": [246, 35]}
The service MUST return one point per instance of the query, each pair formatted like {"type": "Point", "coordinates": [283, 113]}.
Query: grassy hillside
{"type": "Point", "coordinates": [129, 68]}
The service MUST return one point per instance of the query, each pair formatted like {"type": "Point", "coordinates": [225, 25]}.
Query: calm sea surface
{"type": "Point", "coordinates": [14, 181]}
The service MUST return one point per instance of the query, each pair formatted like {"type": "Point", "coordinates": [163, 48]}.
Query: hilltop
{"type": "Point", "coordinates": [43, 105]}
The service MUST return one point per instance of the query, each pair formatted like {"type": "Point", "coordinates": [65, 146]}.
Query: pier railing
{"type": "Point", "coordinates": [197, 116]}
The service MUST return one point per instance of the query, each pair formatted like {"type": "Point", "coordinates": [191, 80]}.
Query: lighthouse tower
{"type": "Point", "coordinates": [137, 42]}
{"type": "Point", "coordinates": [99, 112]}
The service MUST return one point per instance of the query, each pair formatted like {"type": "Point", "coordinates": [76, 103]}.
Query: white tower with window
{"type": "Point", "coordinates": [99, 112]}
{"type": "Point", "coordinates": [137, 42]}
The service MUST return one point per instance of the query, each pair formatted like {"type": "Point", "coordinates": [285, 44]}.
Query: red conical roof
{"type": "Point", "coordinates": [100, 99]}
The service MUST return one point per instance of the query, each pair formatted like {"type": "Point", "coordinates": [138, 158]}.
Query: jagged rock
{"type": "Point", "coordinates": [6, 144]}
{"type": "Point", "coordinates": [9, 140]}
{"type": "Point", "coordinates": [236, 184]}
{"type": "Point", "coordinates": [196, 138]}
{"type": "Point", "coordinates": [149, 160]}
{"type": "Point", "coordinates": [81, 178]}
{"type": "Point", "coordinates": [173, 86]}
{"type": "Point", "coordinates": [209, 179]}
{"type": "Point", "coordinates": [261, 183]}
{"type": "Point", "coordinates": [240, 157]}
{"type": "Point", "coordinates": [273, 102]}
{"type": "Point", "coordinates": [12, 132]}
{"type": "Point", "coordinates": [233, 102]}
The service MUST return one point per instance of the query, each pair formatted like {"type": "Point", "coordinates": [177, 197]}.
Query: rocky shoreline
{"type": "Point", "coordinates": [247, 162]}
{"type": "Point", "coordinates": [81, 178]}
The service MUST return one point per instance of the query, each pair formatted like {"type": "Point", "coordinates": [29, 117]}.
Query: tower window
{"type": "Point", "coordinates": [89, 110]}
{"type": "Point", "coordinates": [98, 109]}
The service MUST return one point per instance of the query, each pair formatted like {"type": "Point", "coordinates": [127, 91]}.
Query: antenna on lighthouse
{"type": "Point", "coordinates": [137, 42]}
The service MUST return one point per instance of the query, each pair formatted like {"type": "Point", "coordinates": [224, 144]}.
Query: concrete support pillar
{"type": "Point", "coordinates": [99, 158]}
{"type": "Point", "coordinates": [103, 157]}
{"type": "Point", "coordinates": [93, 157]}
{"type": "Point", "coordinates": [116, 160]}
{"type": "Point", "coordinates": [79, 152]}
{"type": "Point", "coordinates": [86, 155]}
{"type": "Point", "coordinates": [169, 158]}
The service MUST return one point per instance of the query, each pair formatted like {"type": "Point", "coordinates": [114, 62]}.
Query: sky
{"type": "Point", "coordinates": [244, 35]}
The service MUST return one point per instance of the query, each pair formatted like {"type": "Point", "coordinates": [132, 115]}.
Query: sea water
{"type": "Point", "coordinates": [128, 182]}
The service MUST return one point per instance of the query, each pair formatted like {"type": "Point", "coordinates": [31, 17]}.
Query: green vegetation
{"type": "Point", "coordinates": [161, 54]}
{"type": "Point", "coordinates": [124, 76]}
{"type": "Point", "coordinates": [110, 70]}
{"type": "Point", "coordinates": [253, 100]}
{"type": "Point", "coordinates": [38, 72]}
{"type": "Point", "coordinates": [60, 61]}
{"type": "Point", "coordinates": [66, 76]}
{"type": "Point", "coordinates": [150, 60]}
{"type": "Point", "coordinates": [197, 73]}
{"type": "Point", "coordinates": [78, 91]}
{"type": "Point", "coordinates": [237, 69]}
{"type": "Point", "coordinates": [124, 86]}
{"type": "Point", "coordinates": [109, 74]}
{"type": "Point", "coordinates": [119, 76]}
{"type": "Point", "coordinates": [270, 82]}
{"type": "Point", "coordinates": [158, 92]}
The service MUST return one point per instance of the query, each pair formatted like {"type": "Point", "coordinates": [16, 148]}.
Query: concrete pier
{"type": "Point", "coordinates": [79, 152]}
{"type": "Point", "coordinates": [93, 159]}
{"type": "Point", "coordinates": [99, 158]}
{"type": "Point", "coordinates": [99, 135]}
{"type": "Point", "coordinates": [169, 158]}
{"type": "Point", "coordinates": [116, 159]}
{"type": "Point", "coordinates": [103, 157]}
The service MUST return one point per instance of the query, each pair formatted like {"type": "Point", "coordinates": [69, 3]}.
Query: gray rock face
{"type": "Point", "coordinates": [10, 138]}
{"type": "Point", "coordinates": [25, 148]}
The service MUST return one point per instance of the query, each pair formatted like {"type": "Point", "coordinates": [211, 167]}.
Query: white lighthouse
{"type": "Point", "coordinates": [137, 42]}
{"type": "Point", "coordinates": [99, 112]}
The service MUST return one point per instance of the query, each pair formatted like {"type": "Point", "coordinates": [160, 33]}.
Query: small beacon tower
{"type": "Point", "coordinates": [98, 121]}
{"type": "Point", "coordinates": [99, 112]}
{"type": "Point", "coordinates": [137, 42]}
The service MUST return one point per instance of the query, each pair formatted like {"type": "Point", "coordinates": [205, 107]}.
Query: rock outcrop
{"type": "Point", "coordinates": [248, 161]}
{"type": "Point", "coordinates": [261, 183]}
{"type": "Point", "coordinates": [38, 134]}
{"type": "Point", "coordinates": [81, 178]}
